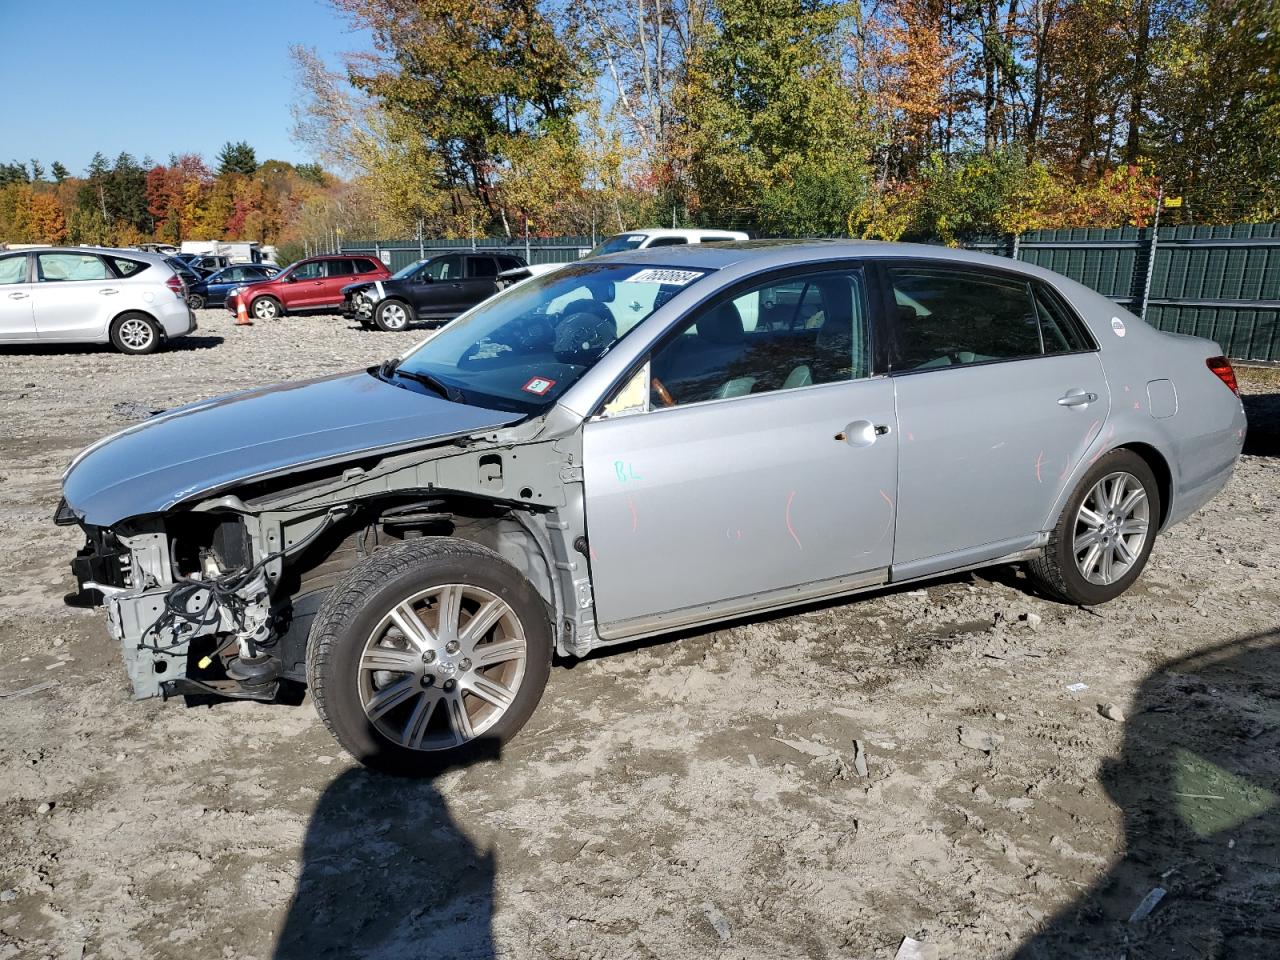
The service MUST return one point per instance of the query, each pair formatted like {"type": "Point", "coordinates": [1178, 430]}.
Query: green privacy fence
{"type": "Point", "coordinates": [1217, 282]}
{"type": "Point", "coordinates": [400, 253]}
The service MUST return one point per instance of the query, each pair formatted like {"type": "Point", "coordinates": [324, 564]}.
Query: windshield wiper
{"type": "Point", "coordinates": [450, 393]}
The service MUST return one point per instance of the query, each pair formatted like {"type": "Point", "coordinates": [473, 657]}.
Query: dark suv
{"type": "Point", "coordinates": [311, 285]}
{"type": "Point", "coordinates": [438, 288]}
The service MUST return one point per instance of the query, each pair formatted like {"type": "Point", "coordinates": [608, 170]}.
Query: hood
{"type": "Point", "coordinates": [204, 447]}
{"type": "Point", "coordinates": [352, 287]}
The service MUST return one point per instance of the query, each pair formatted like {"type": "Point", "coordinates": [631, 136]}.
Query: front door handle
{"type": "Point", "coordinates": [108, 292]}
{"type": "Point", "coordinates": [18, 296]}
{"type": "Point", "coordinates": [1076, 397]}
{"type": "Point", "coordinates": [862, 433]}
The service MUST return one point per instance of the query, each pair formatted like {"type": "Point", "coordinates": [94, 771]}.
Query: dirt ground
{"type": "Point", "coordinates": [695, 797]}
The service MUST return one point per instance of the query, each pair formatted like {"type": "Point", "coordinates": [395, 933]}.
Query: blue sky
{"type": "Point", "coordinates": [155, 77]}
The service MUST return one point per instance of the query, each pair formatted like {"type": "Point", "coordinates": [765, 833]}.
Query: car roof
{"type": "Point", "coordinates": [764, 254]}
{"type": "Point", "coordinates": [144, 255]}
{"type": "Point", "coordinates": [685, 232]}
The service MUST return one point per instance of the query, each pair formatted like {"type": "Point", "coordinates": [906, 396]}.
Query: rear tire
{"type": "Point", "coordinates": [135, 333]}
{"type": "Point", "coordinates": [1101, 542]}
{"type": "Point", "coordinates": [195, 301]}
{"type": "Point", "coordinates": [266, 308]}
{"type": "Point", "coordinates": [395, 672]}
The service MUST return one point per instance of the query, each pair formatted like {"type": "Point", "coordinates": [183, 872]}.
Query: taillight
{"type": "Point", "coordinates": [174, 283]}
{"type": "Point", "coordinates": [1221, 368]}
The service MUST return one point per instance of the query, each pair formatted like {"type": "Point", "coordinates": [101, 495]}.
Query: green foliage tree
{"type": "Point", "coordinates": [237, 158]}
{"type": "Point", "coordinates": [768, 110]}
{"type": "Point", "coordinates": [60, 173]}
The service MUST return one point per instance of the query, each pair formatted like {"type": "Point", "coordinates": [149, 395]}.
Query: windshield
{"type": "Point", "coordinates": [623, 241]}
{"type": "Point", "coordinates": [523, 348]}
{"type": "Point", "coordinates": [404, 273]}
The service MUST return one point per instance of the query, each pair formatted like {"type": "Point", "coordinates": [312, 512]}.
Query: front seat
{"type": "Point", "coordinates": [698, 369]}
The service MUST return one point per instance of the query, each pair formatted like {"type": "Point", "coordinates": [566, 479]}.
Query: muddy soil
{"type": "Point", "coordinates": [694, 797]}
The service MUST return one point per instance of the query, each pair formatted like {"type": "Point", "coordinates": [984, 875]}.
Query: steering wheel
{"type": "Point", "coordinates": [664, 395]}
{"type": "Point", "coordinates": [582, 331]}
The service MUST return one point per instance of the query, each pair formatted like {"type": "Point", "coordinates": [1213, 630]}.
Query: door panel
{"type": "Point", "coordinates": [984, 451]}
{"type": "Point", "coordinates": [17, 320]}
{"type": "Point", "coordinates": [731, 499]}
{"type": "Point", "coordinates": [306, 286]}
{"type": "Point", "coordinates": [74, 296]}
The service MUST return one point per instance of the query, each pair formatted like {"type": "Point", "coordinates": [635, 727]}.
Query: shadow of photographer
{"type": "Point", "coordinates": [386, 872]}
{"type": "Point", "coordinates": [1198, 782]}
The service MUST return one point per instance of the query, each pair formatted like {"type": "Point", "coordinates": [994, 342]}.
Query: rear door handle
{"type": "Point", "coordinates": [1076, 398]}
{"type": "Point", "coordinates": [108, 292]}
{"type": "Point", "coordinates": [18, 296]}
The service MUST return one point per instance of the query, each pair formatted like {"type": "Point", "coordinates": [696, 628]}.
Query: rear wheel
{"type": "Point", "coordinates": [392, 315]}
{"type": "Point", "coordinates": [135, 333]}
{"type": "Point", "coordinates": [266, 308]}
{"type": "Point", "coordinates": [1104, 536]}
{"type": "Point", "coordinates": [429, 654]}
{"type": "Point", "coordinates": [195, 301]}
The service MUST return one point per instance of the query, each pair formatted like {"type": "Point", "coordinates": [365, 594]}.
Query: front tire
{"type": "Point", "coordinates": [1103, 538]}
{"type": "Point", "coordinates": [135, 333]}
{"type": "Point", "coordinates": [429, 654]}
{"type": "Point", "coordinates": [266, 308]}
{"type": "Point", "coordinates": [392, 316]}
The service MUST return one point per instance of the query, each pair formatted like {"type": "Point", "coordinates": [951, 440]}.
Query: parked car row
{"type": "Point", "coordinates": [98, 295]}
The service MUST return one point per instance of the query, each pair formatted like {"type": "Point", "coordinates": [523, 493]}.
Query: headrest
{"type": "Point", "coordinates": [722, 325]}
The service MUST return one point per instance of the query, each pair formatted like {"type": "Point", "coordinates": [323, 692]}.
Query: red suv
{"type": "Point", "coordinates": [314, 284]}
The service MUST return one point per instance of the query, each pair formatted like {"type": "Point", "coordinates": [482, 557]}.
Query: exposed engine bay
{"type": "Point", "coordinates": [216, 597]}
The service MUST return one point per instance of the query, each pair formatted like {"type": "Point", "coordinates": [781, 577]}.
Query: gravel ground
{"type": "Point", "coordinates": [1029, 772]}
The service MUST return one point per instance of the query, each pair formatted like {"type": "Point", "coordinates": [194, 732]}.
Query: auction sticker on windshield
{"type": "Point", "coordinates": [538, 386]}
{"type": "Point", "coordinates": [676, 277]}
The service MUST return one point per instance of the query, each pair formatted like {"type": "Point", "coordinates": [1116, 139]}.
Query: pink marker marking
{"type": "Point", "coordinates": [635, 518]}
{"type": "Point", "coordinates": [790, 529]}
{"type": "Point", "coordinates": [1039, 460]}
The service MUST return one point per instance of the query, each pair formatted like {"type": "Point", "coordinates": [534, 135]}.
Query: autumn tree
{"type": "Point", "coordinates": [468, 81]}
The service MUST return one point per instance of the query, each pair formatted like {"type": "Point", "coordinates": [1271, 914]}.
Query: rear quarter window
{"type": "Point", "coordinates": [128, 268]}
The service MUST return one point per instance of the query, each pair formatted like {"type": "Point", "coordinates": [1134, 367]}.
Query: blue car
{"type": "Point", "coordinates": [212, 290]}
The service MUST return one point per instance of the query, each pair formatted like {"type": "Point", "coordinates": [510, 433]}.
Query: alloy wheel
{"type": "Point", "coordinates": [136, 334]}
{"type": "Point", "coordinates": [264, 309]}
{"type": "Point", "coordinates": [442, 667]}
{"type": "Point", "coordinates": [394, 316]}
{"type": "Point", "coordinates": [1111, 528]}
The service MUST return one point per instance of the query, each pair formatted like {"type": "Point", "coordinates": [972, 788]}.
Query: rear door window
{"type": "Point", "coordinates": [481, 267]}
{"type": "Point", "coordinates": [340, 268]}
{"type": "Point", "coordinates": [57, 267]}
{"type": "Point", "coordinates": [364, 266]}
{"type": "Point", "coordinates": [948, 317]}
{"type": "Point", "coordinates": [13, 269]}
{"type": "Point", "coordinates": [668, 241]}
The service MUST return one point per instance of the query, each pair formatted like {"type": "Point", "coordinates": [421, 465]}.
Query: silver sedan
{"type": "Point", "coordinates": [632, 445]}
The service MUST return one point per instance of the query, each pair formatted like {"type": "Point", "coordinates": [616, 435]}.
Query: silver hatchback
{"type": "Point", "coordinates": [128, 298]}
{"type": "Point", "coordinates": [631, 445]}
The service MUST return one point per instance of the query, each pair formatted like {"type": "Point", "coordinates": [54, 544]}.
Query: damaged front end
{"type": "Point", "coordinates": [189, 596]}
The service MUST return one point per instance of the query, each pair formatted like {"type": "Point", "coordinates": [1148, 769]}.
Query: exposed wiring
{"type": "Point", "coordinates": [223, 592]}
